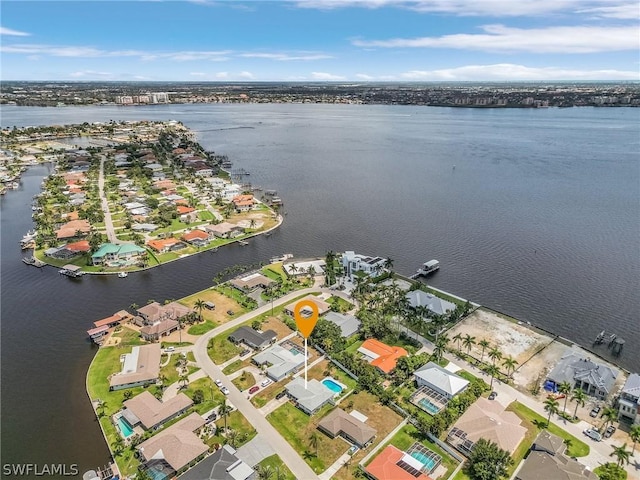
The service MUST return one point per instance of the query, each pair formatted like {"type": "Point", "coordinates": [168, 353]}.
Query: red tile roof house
{"type": "Point", "coordinates": [72, 228]}
{"type": "Point", "coordinates": [243, 203]}
{"type": "Point", "coordinates": [381, 355]}
{"type": "Point", "coordinates": [163, 245]}
{"type": "Point", "coordinates": [187, 213]}
{"type": "Point", "coordinates": [196, 237]}
{"type": "Point", "coordinates": [152, 333]}
{"type": "Point", "coordinates": [394, 464]}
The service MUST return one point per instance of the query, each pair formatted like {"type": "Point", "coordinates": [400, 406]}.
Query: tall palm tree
{"type": "Point", "coordinates": [484, 343]}
{"type": "Point", "coordinates": [102, 404]}
{"type": "Point", "coordinates": [184, 378]}
{"type": "Point", "coordinates": [457, 338]}
{"type": "Point", "coordinates": [493, 371]}
{"type": "Point", "coordinates": [580, 398]}
{"type": "Point", "coordinates": [622, 454]}
{"type": "Point", "coordinates": [495, 354]}
{"type": "Point", "coordinates": [223, 411]}
{"type": "Point", "coordinates": [440, 346]}
{"type": "Point", "coordinates": [634, 435]}
{"type": "Point", "coordinates": [264, 472]}
{"type": "Point", "coordinates": [510, 364]}
{"type": "Point", "coordinates": [609, 414]}
{"type": "Point", "coordinates": [565, 389]}
{"type": "Point", "coordinates": [468, 342]}
{"type": "Point", "coordinates": [388, 264]}
{"type": "Point", "coordinates": [551, 405]}
{"type": "Point", "coordinates": [199, 305]}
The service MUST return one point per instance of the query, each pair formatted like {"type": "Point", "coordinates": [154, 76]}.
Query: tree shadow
{"type": "Point", "coordinates": [541, 424]}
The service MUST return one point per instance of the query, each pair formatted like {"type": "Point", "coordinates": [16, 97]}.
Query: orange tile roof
{"type": "Point", "coordinates": [182, 202]}
{"type": "Point", "coordinates": [162, 243]}
{"type": "Point", "coordinates": [182, 209]}
{"type": "Point", "coordinates": [81, 246]}
{"type": "Point", "coordinates": [195, 234]}
{"type": "Point", "coordinates": [72, 216]}
{"type": "Point", "coordinates": [241, 200]}
{"type": "Point", "coordinates": [387, 355]}
{"type": "Point", "coordinates": [384, 466]}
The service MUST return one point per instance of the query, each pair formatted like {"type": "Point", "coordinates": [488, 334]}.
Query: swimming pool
{"type": "Point", "coordinates": [428, 406]}
{"type": "Point", "coordinates": [125, 428]}
{"type": "Point", "coordinates": [332, 385]}
{"type": "Point", "coordinates": [429, 463]}
{"type": "Point", "coordinates": [295, 351]}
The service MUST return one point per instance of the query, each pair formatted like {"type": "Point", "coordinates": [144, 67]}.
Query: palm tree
{"type": "Point", "coordinates": [127, 394]}
{"type": "Point", "coordinates": [634, 435]}
{"type": "Point", "coordinates": [118, 446]}
{"type": "Point", "coordinates": [510, 364]}
{"type": "Point", "coordinates": [621, 454]}
{"type": "Point", "coordinates": [264, 472]}
{"type": "Point", "coordinates": [457, 338]}
{"type": "Point", "coordinates": [565, 389]}
{"type": "Point", "coordinates": [102, 404]}
{"type": "Point", "coordinates": [468, 342]}
{"type": "Point", "coordinates": [440, 346]}
{"type": "Point", "coordinates": [223, 411]}
{"type": "Point", "coordinates": [313, 441]}
{"type": "Point", "coordinates": [580, 398]}
{"type": "Point", "coordinates": [388, 264]}
{"type": "Point", "coordinates": [483, 344]}
{"type": "Point", "coordinates": [184, 378]}
{"type": "Point", "coordinates": [551, 406]}
{"type": "Point", "coordinates": [199, 304]}
{"type": "Point", "coordinates": [493, 371]}
{"type": "Point", "coordinates": [495, 354]}
{"type": "Point", "coordinates": [610, 415]}
{"type": "Point", "coordinates": [252, 223]}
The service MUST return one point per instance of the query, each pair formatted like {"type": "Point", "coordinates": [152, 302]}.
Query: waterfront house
{"type": "Point", "coordinates": [420, 298]}
{"type": "Point", "coordinates": [547, 460]}
{"type": "Point", "coordinates": [629, 401]}
{"type": "Point", "coordinates": [69, 250]}
{"type": "Point", "coordinates": [154, 312]}
{"type": "Point", "coordinates": [74, 228]}
{"type": "Point", "coordinates": [323, 307]}
{"type": "Point", "coordinates": [352, 429]}
{"type": "Point", "coordinates": [394, 464]}
{"type": "Point", "coordinates": [252, 338]}
{"type": "Point", "coordinates": [596, 379]}
{"type": "Point", "coordinates": [163, 328]}
{"type": "Point", "coordinates": [280, 361]}
{"type": "Point", "coordinates": [149, 412]}
{"type": "Point", "coordinates": [349, 324]}
{"type": "Point", "coordinates": [353, 262]}
{"type": "Point", "coordinates": [223, 464]}
{"type": "Point", "coordinates": [164, 245]}
{"type": "Point", "coordinates": [196, 237]}
{"type": "Point", "coordinates": [381, 355]}
{"type": "Point", "coordinates": [489, 420]}
{"type": "Point", "coordinates": [225, 230]}
{"type": "Point", "coordinates": [229, 192]}
{"type": "Point", "coordinates": [140, 367]}
{"type": "Point", "coordinates": [111, 252]}
{"type": "Point", "coordinates": [440, 380]}
{"type": "Point", "coordinates": [309, 399]}
{"type": "Point", "coordinates": [114, 320]}
{"type": "Point", "coordinates": [173, 450]}
{"type": "Point", "coordinates": [243, 203]}
{"type": "Point", "coordinates": [250, 282]}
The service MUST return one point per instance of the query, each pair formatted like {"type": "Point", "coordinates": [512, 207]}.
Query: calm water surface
{"type": "Point", "coordinates": [535, 213]}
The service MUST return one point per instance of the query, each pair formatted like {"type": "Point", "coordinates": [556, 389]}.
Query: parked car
{"type": "Point", "coordinates": [281, 394]}
{"type": "Point", "coordinates": [254, 389]}
{"type": "Point", "coordinates": [609, 431]}
{"type": "Point", "coordinates": [594, 411]}
{"type": "Point", "coordinates": [229, 312]}
{"type": "Point", "coordinates": [169, 349]}
{"type": "Point", "coordinates": [493, 395]}
{"type": "Point", "coordinates": [265, 382]}
{"type": "Point", "coordinates": [218, 382]}
{"type": "Point", "coordinates": [212, 417]}
{"type": "Point", "coordinates": [225, 390]}
{"type": "Point", "coordinates": [593, 434]}
{"type": "Point", "coordinates": [209, 305]}
{"type": "Point", "coordinates": [244, 352]}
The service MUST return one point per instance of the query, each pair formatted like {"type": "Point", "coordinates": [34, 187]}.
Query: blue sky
{"type": "Point", "coordinates": [320, 40]}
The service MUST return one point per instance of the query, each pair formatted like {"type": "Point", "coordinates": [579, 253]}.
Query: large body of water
{"type": "Point", "coordinates": [535, 213]}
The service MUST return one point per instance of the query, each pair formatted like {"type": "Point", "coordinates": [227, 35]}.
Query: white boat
{"type": "Point", "coordinates": [28, 237]}
{"type": "Point", "coordinates": [282, 258]}
{"type": "Point", "coordinates": [429, 267]}
{"type": "Point", "coordinates": [123, 275]}
{"type": "Point", "coordinates": [243, 242]}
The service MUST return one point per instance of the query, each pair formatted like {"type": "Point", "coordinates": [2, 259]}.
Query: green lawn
{"type": "Point", "coordinates": [244, 381]}
{"type": "Point", "coordinates": [212, 394]}
{"type": "Point", "coordinates": [205, 215]}
{"type": "Point", "coordinates": [201, 328]}
{"type": "Point", "coordinates": [353, 348]}
{"type": "Point", "coordinates": [236, 421]}
{"type": "Point", "coordinates": [275, 272]}
{"type": "Point", "coordinates": [275, 464]}
{"type": "Point", "coordinates": [234, 366]}
{"type": "Point", "coordinates": [343, 305]}
{"type": "Point", "coordinates": [221, 349]}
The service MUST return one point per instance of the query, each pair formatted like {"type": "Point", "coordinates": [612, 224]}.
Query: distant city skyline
{"type": "Point", "coordinates": [321, 40]}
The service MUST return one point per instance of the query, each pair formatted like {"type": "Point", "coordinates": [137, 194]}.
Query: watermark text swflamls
{"type": "Point", "coordinates": [10, 470]}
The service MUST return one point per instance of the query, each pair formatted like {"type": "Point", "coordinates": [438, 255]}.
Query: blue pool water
{"type": "Point", "coordinates": [295, 351]}
{"type": "Point", "coordinates": [125, 428]}
{"type": "Point", "coordinates": [428, 406]}
{"type": "Point", "coordinates": [429, 463]}
{"type": "Point", "coordinates": [331, 385]}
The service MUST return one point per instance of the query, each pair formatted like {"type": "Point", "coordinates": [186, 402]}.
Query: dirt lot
{"type": "Point", "coordinates": [222, 303]}
{"type": "Point", "coordinates": [278, 326]}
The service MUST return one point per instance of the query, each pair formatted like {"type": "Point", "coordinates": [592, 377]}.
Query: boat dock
{"type": "Point", "coordinates": [615, 343]}
{"type": "Point", "coordinates": [33, 261]}
{"type": "Point", "coordinates": [72, 271]}
{"type": "Point", "coordinates": [427, 268]}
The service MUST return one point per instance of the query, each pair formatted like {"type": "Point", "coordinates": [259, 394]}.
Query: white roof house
{"type": "Point", "coordinates": [309, 399]}
{"type": "Point", "coordinates": [420, 298]}
{"type": "Point", "coordinates": [354, 262]}
{"type": "Point", "coordinates": [281, 361]}
{"type": "Point", "coordinates": [442, 381]}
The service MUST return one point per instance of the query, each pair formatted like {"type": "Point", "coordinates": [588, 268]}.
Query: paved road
{"type": "Point", "coordinates": [108, 223]}
{"type": "Point", "coordinates": [289, 456]}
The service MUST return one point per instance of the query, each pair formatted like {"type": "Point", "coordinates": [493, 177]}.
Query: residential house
{"type": "Point", "coordinates": [140, 367]}
{"type": "Point", "coordinates": [144, 227]}
{"type": "Point", "coordinates": [197, 238]}
{"type": "Point", "coordinates": [154, 312]}
{"type": "Point", "coordinates": [323, 307]}
{"type": "Point", "coordinates": [114, 320]}
{"type": "Point", "coordinates": [294, 269]}
{"type": "Point", "coordinates": [340, 423]}
{"type": "Point", "coordinates": [253, 338]}
{"type": "Point", "coordinates": [187, 214]}
{"type": "Point", "coordinates": [547, 461]}
{"type": "Point", "coordinates": [381, 355]}
{"type": "Point", "coordinates": [280, 361]}
{"type": "Point", "coordinates": [223, 464]}
{"type": "Point", "coordinates": [225, 230]}
{"type": "Point", "coordinates": [250, 282]}
{"type": "Point", "coordinates": [489, 420]}
{"type": "Point", "coordinates": [230, 191]}
{"type": "Point", "coordinates": [353, 262]}
{"type": "Point", "coordinates": [74, 228]}
{"type": "Point", "coordinates": [174, 449]}
{"type": "Point", "coordinates": [111, 252]}
{"type": "Point", "coordinates": [309, 399]}
{"type": "Point", "coordinates": [394, 464]}
{"type": "Point", "coordinates": [149, 412]}
{"type": "Point", "coordinates": [349, 324]}
{"type": "Point", "coordinates": [164, 245]}
{"type": "Point", "coordinates": [163, 328]}
{"type": "Point", "coordinates": [243, 203]}
{"type": "Point", "coordinates": [70, 250]}
{"type": "Point", "coordinates": [420, 298]}
{"type": "Point", "coordinates": [597, 380]}
{"type": "Point", "coordinates": [629, 401]}
{"type": "Point", "coordinates": [440, 380]}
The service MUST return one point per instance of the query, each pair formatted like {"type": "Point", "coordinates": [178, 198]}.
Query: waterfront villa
{"type": "Point", "coordinates": [224, 230]}
{"type": "Point", "coordinates": [596, 379]}
{"type": "Point", "coordinates": [175, 449]}
{"type": "Point", "coordinates": [163, 328]}
{"type": "Point", "coordinates": [489, 420]}
{"type": "Point", "coordinates": [69, 250]}
{"type": "Point", "coordinates": [349, 324]}
{"type": "Point", "coordinates": [154, 312]}
{"type": "Point", "coordinates": [629, 401]}
{"type": "Point", "coordinates": [251, 282]}
{"type": "Point", "coordinates": [394, 464]}
{"type": "Point", "coordinates": [351, 428]}
{"type": "Point", "coordinates": [140, 367]}
{"type": "Point", "coordinates": [323, 307]}
{"type": "Point", "coordinates": [164, 245]}
{"type": "Point", "coordinates": [243, 203]}
{"type": "Point", "coordinates": [252, 338]}
{"type": "Point", "coordinates": [420, 298]}
{"type": "Point", "coordinates": [381, 355]}
{"type": "Point", "coordinates": [74, 228]}
{"type": "Point", "coordinates": [280, 361]}
{"type": "Point", "coordinates": [547, 460]}
{"type": "Point", "coordinates": [223, 464]}
{"type": "Point", "coordinates": [353, 262]}
{"type": "Point", "coordinates": [310, 399]}
{"type": "Point", "coordinates": [150, 413]}
{"type": "Point", "coordinates": [197, 238]}
{"type": "Point", "coordinates": [110, 254]}
{"type": "Point", "coordinates": [440, 380]}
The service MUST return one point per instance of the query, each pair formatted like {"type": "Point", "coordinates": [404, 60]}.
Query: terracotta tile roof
{"type": "Point", "coordinates": [160, 244]}
{"type": "Point", "coordinates": [194, 235]}
{"type": "Point", "coordinates": [182, 209]}
{"type": "Point", "coordinates": [387, 356]}
{"type": "Point", "coordinates": [385, 466]}
{"type": "Point", "coordinates": [81, 246]}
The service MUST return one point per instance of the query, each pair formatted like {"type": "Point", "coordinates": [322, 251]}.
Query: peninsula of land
{"type": "Point", "coordinates": [136, 195]}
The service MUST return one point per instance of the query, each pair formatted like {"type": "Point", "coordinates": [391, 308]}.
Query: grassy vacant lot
{"type": "Point", "coordinates": [298, 428]}
{"type": "Point", "coordinates": [265, 395]}
{"type": "Point", "coordinates": [275, 272]}
{"type": "Point", "coordinates": [244, 381]}
{"type": "Point", "coordinates": [237, 422]}
{"type": "Point", "coordinates": [221, 349]}
{"type": "Point", "coordinates": [275, 464]}
{"type": "Point", "coordinates": [222, 302]}
{"type": "Point", "coordinates": [201, 328]}
{"type": "Point", "coordinates": [235, 366]}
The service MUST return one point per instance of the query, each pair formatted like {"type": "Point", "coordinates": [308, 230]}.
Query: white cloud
{"type": "Point", "coordinates": [499, 38]}
{"type": "Point", "coordinates": [514, 72]}
{"type": "Point", "coordinates": [285, 57]}
{"type": "Point", "coordinates": [325, 76]}
{"type": "Point", "coordinates": [89, 73]}
{"type": "Point", "coordinates": [628, 11]}
{"type": "Point", "coordinates": [222, 75]}
{"type": "Point", "coordinates": [15, 33]}
{"type": "Point", "coordinates": [364, 76]}
{"type": "Point", "coordinates": [247, 75]}
{"type": "Point", "coordinates": [197, 74]}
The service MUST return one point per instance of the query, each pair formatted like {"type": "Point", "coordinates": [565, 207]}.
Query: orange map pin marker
{"type": "Point", "coordinates": [305, 324]}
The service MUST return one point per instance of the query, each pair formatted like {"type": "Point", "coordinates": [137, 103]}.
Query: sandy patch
{"type": "Point", "coordinates": [247, 224]}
